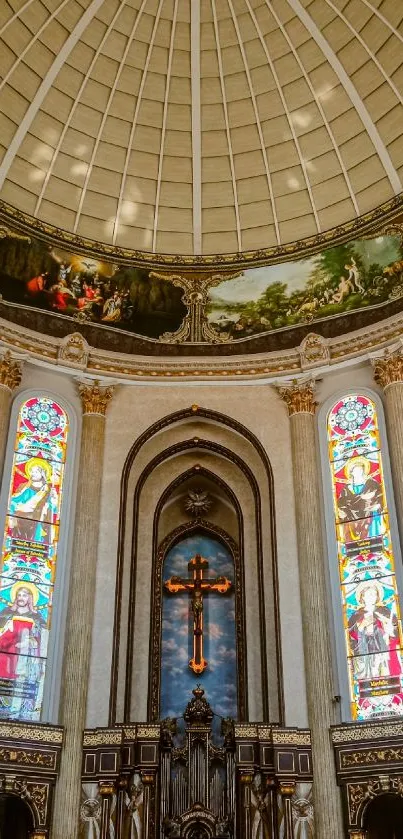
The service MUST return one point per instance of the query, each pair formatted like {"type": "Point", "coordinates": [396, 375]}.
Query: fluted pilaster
{"type": "Point", "coordinates": [81, 608]}
{"type": "Point", "coordinates": [10, 378]}
{"type": "Point", "coordinates": [318, 666]}
{"type": "Point", "coordinates": [388, 373]}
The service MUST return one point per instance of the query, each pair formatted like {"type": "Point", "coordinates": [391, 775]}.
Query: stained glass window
{"type": "Point", "coordinates": [372, 626]}
{"type": "Point", "coordinates": [29, 555]}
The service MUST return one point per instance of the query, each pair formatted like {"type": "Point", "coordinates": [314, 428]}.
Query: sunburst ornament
{"type": "Point", "coordinates": [198, 502]}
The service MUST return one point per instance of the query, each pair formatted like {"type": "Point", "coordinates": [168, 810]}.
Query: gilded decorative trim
{"type": "Point", "coordinates": [367, 757]}
{"type": "Point", "coordinates": [28, 758]}
{"type": "Point", "coordinates": [389, 369]}
{"type": "Point", "coordinates": [299, 397]}
{"type": "Point", "coordinates": [291, 737]}
{"type": "Point", "coordinates": [94, 398]}
{"type": "Point", "coordinates": [102, 737]}
{"type": "Point", "coordinates": [383, 215]}
{"type": "Point", "coordinates": [21, 731]}
{"type": "Point", "coordinates": [10, 371]}
{"type": "Point", "coordinates": [367, 731]}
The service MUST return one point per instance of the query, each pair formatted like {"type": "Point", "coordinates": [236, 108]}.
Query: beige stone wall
{"type": "Point", "coordinates": [135, 408]}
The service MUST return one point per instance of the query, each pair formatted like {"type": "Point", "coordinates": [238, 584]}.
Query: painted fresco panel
{"type": "Point", "coordinates": [219, 680]}
{"type": "Point", "coordinates": [341, 279]}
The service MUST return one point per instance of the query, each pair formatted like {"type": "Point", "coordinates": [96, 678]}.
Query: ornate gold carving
{"type": "Point", "coordinates": [195, 327]}
{"type": "Point", "coordinates": [245, 731]}
{"type": "Point", "coordinates": [74, 351]}
{"type": "Point", "coordinates": [148, 778]}
{"type": "Point", "coordinates": [102, 737]}
{"type": "Point", "coordinates": [370, 756]}
{"type": "Point", "coordinates": [106, 788]}
{"type": "Point", "coordinates": [291, 737]}
{"type": "Point", "coordinates": [367, 731]}
{"type": "Point", "coordinates": [299, 397]}
{"type": "Point", "coordinates": [389, 369]}
{"type": "Point", "coordinates": [357, 794]}
{"type": "Point", "coordinates": [94, 398]}
{"type": "Point", "coordinates": [148, 732]}
{"type": "Point", "coordinates": [37, 733]}
{"type": "Point", "coordinates": [10, 371]}
{"type": "Point", "coordinates": [314, 351]}
{"type": "Point", "coordinates": [8, 233]}
{"type": "Point", "coordinates": [38, 793]}
{"type": "Point", "coordinates": [27, 758]}
{"type": "Point", "coordinates": [356, 834]}
{"type": "Point", "coordinates": [286, 788]}
{"type": "Point", "coordinates": [246, 778]}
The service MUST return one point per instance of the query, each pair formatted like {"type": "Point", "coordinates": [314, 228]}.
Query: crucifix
{"type": "Point", "coordinates": [197, 586]}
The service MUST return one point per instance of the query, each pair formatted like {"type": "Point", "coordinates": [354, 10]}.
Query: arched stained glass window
{"type": "Point", "coordinates": [372, 625]}
{"type": "Point", "coordinates": [29, 555]}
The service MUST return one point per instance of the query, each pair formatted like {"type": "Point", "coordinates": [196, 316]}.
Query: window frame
{"type": "Point", "coordinates": [330, 540]}
{"type": "Point", "coordinates": [54, 662]}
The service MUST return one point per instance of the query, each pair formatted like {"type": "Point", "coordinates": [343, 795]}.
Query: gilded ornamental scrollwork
{"type": "Point", "coordinates": [388, 370]}
{"type": "Point", "coordinates": [299, 397]}
{"type": "Point", "coordinates": [10, 371]}
{"type": "Point", "coordinates": [94, 397]}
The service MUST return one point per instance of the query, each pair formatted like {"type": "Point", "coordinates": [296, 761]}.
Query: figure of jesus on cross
{"type": "Point", "coordinates": [197, 586]}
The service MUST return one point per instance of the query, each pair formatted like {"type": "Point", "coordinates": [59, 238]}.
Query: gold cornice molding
{"type": "Point", "coordinates": [299, 397]}
{"type": "Point", "coordinates": [94, 397]}
{"type": "Point", "coordinates": [10, 371]}
{"type": "Point", "coordinates": [388, 370]}
{"type": "Point", "coordinates": [381, 218]}
{"type": "Point", "coordinates": [40, 348]}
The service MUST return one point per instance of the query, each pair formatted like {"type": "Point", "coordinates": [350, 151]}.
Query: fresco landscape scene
{"type": "Point", "coordinates": [338, 280]}
{"type": "Point", "coordinates": [35, 274]}
{"type": "Point", "coordinates": [345, 278]}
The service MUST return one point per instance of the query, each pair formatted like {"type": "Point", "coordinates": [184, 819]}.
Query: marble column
{"type": "Point", "coordinates": [388, 373]}
{"type": "Point", "coordinates": [301, 404]}
{"type": "Point", "coordinates": [80, 608]}
{"type": "Point", "coordinates": [10, 378]}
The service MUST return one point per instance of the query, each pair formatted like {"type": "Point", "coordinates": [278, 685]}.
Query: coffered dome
{"type": "Point", "coordinates": [200, 126]}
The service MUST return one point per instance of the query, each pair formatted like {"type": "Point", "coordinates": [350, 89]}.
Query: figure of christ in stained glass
{"type": "Point", "coordinates": [29, 556]}
{"type": "Point", "coordinates": [366, 564]}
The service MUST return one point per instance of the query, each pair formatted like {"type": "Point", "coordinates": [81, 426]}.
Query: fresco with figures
{"type": "Point", "coordinates": [340, 279]}
{"type": "Point", "coordinates": [33, 273]}
{"type": "Point", "coordinates": [219, 678]}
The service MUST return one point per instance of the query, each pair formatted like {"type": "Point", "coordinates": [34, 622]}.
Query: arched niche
{"type": "Point", "coordinates": [225, 448]}
{"type": "Point", "coordinates": [16, 820]}
{"type": "Point", "coordinates": [383, 817]}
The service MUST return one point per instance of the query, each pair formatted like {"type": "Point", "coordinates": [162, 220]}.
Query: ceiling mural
{"type": "Point", "coordinates": [358, 274]}
{"type": "Point", "coordinates": [32, 273]}
{"type": "Point", "coordinates": [201, 308]}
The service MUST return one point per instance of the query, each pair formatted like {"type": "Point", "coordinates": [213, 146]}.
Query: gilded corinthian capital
{"type": "Point", "coordinates": [389, 369]}
{"type": "Point", "coordinates": [94, 398]}
{"type": "Point", "coordinates": [299, 397]}
{"type": "Point", "coordinates": [10, 371]}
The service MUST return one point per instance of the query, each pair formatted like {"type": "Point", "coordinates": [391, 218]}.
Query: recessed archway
{"type": "Point", "coordinates": [16, 820]}
{"type": "Point", "coordinates": [383, 817]}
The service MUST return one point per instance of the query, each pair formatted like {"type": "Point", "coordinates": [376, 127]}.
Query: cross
{"type": "Point", "coordinates": [197, 586]}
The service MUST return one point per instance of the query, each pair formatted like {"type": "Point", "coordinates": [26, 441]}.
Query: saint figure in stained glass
{"type": "Point", "coordinates": [29, 556]}
{"type": "Point", "coordinates": [366, 562]}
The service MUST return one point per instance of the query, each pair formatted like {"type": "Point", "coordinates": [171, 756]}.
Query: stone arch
{"type": "Point", "coordinates": [164, 442]}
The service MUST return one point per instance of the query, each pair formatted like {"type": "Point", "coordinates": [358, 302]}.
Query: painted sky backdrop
{"type": "Point", "coordinates": [219, 680]}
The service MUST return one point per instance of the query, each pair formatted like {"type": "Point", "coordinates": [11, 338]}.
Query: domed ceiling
{"type": "Point", "coordinates": [200, 126]}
